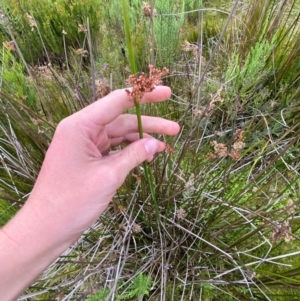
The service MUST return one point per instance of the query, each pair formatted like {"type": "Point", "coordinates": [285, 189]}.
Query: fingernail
{"type": "Point", "coordinates": [151, 146]}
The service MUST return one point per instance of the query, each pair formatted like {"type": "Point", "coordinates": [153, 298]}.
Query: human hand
{"type": "Point", "coordinates": [80, 175]}
{"type": "Point", "coordinates": [78, 179]}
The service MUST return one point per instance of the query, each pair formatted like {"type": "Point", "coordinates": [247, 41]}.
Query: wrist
{"type": "Point", "coordinates": [28, 245]}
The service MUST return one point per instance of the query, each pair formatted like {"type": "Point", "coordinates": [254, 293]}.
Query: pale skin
{"type": "Point", "coordinates": [78, 179]}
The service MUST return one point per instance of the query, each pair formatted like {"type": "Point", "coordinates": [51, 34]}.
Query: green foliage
{"type": "Point", "coordinates": [113, 14]}
{"type": "Point", "coordinates": [266, 50]}
{"type": "Point", "coordinates": [167, 26]}
{"type": "Point", "coordinates": [6, 212]}
{"type": "Point", "coordinates": [243, 76]}
{"type": "Point", "coordinates": [139, 288]}
{"type": "Point", "coordinates": [38, 26]}
{"type": "Point", "coordinates": [192, 5]}
{"type": "Point", "coordinates": [139, 31]}
{"type": "Point", "coordinates": [99, 296]}
{"type": "Point", "coordinates": [14, 81]}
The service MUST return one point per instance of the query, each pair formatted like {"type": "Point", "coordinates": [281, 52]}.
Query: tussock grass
{"type": "Point", "coordinates": [228, 188]}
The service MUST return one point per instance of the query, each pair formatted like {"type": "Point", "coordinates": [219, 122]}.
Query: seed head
{"type": "Point", "coordinates": [145, 83]}
{"type": "Point", "coordinates": [102, 88]}
{"type": "Point", "coordinates": [181, 213]}
{"type": "Point", "coordinates": [146, 7]}
{"type": "Point", "coordinates": [282, 230]}
{"type": "Point", "coordinates": [238, 135]}
{"type": "Point", "coordinates": [3, 18]}
{"type": "Point", "coordinates": [32, 22]}
{"type": "Point", "coordinates": [220, 149]}
{"type": "Point", "coordinates": [136, 228]}
{"type": "Point", "coordinates": [10, 45]}
{"type": "Point", "coordinates": [170, 150]}
{"type": "Point", "coordinates": [291, 207]}
{"type": "Point", "coordinates": [238, 145]}
{"type": "Point", "coordinates": [82, 52]}
{"type": "Point", "coordinates": [82, 28]}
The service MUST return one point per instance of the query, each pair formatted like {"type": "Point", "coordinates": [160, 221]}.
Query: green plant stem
{"type": "Point", "coordinates": [139, 117]}
{"type": "Point", "coordinates": [148, 174]}
{"type": "Point", "coordinates": [133, 70]}
{"type": "Point", "coordinates": [131, 59]}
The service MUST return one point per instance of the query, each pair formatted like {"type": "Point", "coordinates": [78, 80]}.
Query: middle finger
{"type": "Point", "coordinates": [127, 123]}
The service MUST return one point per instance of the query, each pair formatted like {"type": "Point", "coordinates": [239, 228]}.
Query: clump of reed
{"type": "Point", "coordinates": [217, 215]}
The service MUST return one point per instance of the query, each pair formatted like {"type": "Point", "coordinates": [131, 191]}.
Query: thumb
{"type": "Point", "coordinates": [136, 153]}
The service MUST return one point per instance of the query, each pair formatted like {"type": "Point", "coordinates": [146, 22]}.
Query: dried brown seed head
{"type": "Point", "coordinates": [144, 83]}
{"type": "Point", "coordinates": [282, 230]}
{"type": "Point", "coordinates": [146, 7]}
{"type": "Point", "coordinates": [238, 145]}
{"type": "Point", "coordinates": [82, 52]}
{"type": "Point", "coordinates": [181, 213]}
{"type": "Point", "coordinates": [10, 45]}
{"type": "Point", "coordinates": [32, 22]}
{"type": "Point", "coordinates": [102, 88]}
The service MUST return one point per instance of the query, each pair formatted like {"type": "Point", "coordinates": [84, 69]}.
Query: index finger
{"type": "Point", "coordinates": [107, 109]}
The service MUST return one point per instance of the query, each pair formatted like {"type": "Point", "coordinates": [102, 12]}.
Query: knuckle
{"type": "Point", "coordinates": [135, 156]}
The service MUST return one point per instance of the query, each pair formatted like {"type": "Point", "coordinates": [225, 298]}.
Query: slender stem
{"type": "Point", "coordinates": [132, 64]}
{"type": "Point", "coordinates": [92, 61]}
{"type": "Point", "coordinates": [148, 175]}
{"type": "Point", "coordinates": [139, 117]}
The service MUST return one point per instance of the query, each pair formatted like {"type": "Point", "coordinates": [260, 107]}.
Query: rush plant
{"type": "Point", "coordinates": [218, 216]}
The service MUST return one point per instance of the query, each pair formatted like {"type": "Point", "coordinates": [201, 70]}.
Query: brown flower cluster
{"type": "Point", "coordinates": [146, 7]}
{"type": "Point", "coordinates": [137, 177]}
{"type": "Point", "coordinates": [135, 228]}
{"type": "Point", "coordinates": [82, 28]}
{"type": "Point", "coordinates": [283, 230]}
{"type": "Point", "coordinates": [10, 45]}
{"type": "Point", "coordinates": [102, 88]}
{"type": "Point", "coordinates": [291, 207]}
{"type": "Point", "coordinates": [181, 213]}
{"type": "Point", "coordinates": [208, 110]}
{"type": "Point", "coordinates": [44, 72]}
{"type": "Point", "coordinates": [221, 150]}
{"type": "Point", "coordinates": [238, 144]}
{"type": "Point", "coordinates": [144, 83]}
{"type": "Point", "coordinates": [189, 47]}
{"type": "Point", "coordinates": [82, 52]}
{"type": "Point", "coordinates": [250, 274]}
{"type": "Point", "coordinates": [170, 150]}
